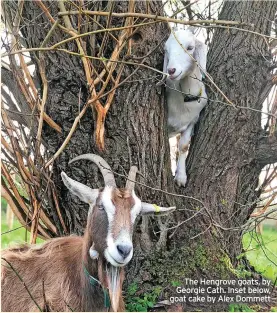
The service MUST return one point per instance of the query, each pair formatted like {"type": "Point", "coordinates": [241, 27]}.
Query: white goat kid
{"type": "Point", "coordinates": [185, 91]}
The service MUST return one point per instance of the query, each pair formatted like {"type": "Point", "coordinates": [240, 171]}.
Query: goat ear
{"type": "Point", "coordinates": [200, 54]}
{"type": "Point", "coordinates": [192, 29]}
{"type": "Point", "coordinates": [83, 192]}
{"type": "Point", "coordinates": [150, 209]}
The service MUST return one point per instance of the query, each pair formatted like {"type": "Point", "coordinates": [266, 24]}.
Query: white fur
{"type": "Point", "coordinates": [93, 253]}
{"type": "Point", "coordinates": [111, 253]}
{"type": "Point", "coordinates": [136, 208]}
{"type": "Point", "coordinates": [107, 203]}
{"type": "Point", "coordinates": [187, 79]}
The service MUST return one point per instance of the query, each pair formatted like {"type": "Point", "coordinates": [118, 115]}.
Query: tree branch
{"type": "Point", "coordinates": [267, 150]}
{"type": "Point", "coordinates": [154, 17]}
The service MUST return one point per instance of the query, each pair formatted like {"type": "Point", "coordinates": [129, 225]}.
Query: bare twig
{"type": "Point", "coordinates": [156, 17]}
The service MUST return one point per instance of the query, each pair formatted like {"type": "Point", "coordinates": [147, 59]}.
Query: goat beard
{"type": "Point", "coordinates": [112, 277]}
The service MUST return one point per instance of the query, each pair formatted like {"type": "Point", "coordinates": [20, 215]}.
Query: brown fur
{"type": "Point", "coordinates": [184, 148]}
{"type": "Point", "coordinates": [123, 201]}
{"type": "Point", "coordinates": [58, 265]}
{"type": "Point", "coordinates": [49, 265]}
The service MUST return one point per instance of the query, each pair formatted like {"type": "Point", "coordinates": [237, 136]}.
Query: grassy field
{"type": "Point", "coordinates": [262, 251]}
{"type": "Point", "coordinates": [16, 236]}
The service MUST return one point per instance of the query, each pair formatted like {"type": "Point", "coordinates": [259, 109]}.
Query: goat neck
{"type": "Point", "coordinates": [192, 84]}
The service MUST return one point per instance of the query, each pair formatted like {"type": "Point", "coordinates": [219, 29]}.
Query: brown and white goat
{"type": "Point", "coordinates": [79, 273]}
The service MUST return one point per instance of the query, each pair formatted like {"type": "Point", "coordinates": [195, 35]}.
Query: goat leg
{"type": "Point", "coordinates": [180, 174]}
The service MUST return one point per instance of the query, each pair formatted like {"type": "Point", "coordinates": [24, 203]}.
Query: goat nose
{"type": "Point", "coordinates": [124, 250]}
{"type": "Point", "coordinates": [171, 71]}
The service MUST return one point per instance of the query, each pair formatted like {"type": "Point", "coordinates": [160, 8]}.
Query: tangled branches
{"type": "Point", "coordinates": [86, 32]}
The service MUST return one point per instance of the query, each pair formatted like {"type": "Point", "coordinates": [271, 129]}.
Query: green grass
{"type": "Point", "coordinates": [15, 236]}
{"type": "Point", "coordinates": [262, 251]}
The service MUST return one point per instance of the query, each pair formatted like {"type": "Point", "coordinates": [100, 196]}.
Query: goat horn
{"type": "Point", "coordinates": [102, 164]}
{"type": "Point", "coordinates": [149, 208]}
{"type": "Point", "coordinates": [130, 184]}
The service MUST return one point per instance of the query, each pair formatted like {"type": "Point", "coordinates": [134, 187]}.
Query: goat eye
{"type": "Point", "coordinates": [190, 48]}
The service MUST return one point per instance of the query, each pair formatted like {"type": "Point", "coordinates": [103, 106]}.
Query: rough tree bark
{"type": "Point", "coordinates": [225, 159]}
{"type": "Point", "coordinates": [223, 166]}
{"type": "Point", "coordinates": [135, 132]}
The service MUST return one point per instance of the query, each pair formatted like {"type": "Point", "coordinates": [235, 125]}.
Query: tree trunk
{"type": "Point", "coordinates": [223, 164]}
{"type": "Point", "coordinates": [223, 167]}
{"type": "Point", "coordinates": [135, 129]}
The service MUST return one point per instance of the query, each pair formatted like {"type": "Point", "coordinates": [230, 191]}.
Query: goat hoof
{"type": "Point", "coordinates": [180, 180]}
